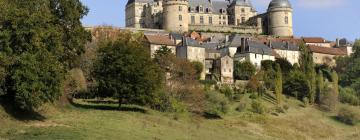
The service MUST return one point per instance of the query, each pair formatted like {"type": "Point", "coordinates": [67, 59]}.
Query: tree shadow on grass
{"type": "Point", "coordinates": [20, 114]}
{"type": "Point", "coordinates": [100, 106]}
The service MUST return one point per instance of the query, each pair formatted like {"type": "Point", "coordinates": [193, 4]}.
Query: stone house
{"type": "Point", "coordinates": [155, 42]}
{"type": "Point", "coordinates": [192, 50]}
{"type": "Point", "coordinates": [324, 55]}
{"type": "Point", "coordinates": [286, 50]}
{"type": "Point", "coordinates": [253, 52]}
{"type": "Point", "coordinates": [225, 68]}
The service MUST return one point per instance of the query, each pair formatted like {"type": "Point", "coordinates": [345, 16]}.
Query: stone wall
{"type": "Point", "coordinates": [227, 29]}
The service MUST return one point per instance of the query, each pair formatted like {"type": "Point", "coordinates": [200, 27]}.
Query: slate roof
{"type": "Point", "coordinates": [235, 41]}
{"type": "Point", "coordinates": [258, 48]}
{"type": "Point", "coordinates": [191, 42]}
{"type": "Point", "coordinates": [141, 1]}
{"type": "Point", "coordinates": [216, 6]}
{"type": "Point", "coordinates": [279, 3]}
{"type": "Point", "coordinates": [326, 50]}
{"type": "Point", "coordinates": [284, 46]}
{"type": "Point", "coordinates": [159, 40]}
{"type": "Point", "coordinates": [176, 36]}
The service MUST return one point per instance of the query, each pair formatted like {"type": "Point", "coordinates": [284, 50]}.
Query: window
{"type": "Point", "coordinates": [210, 20]}
{"type": "Point", "coordinates": [224, 17]}
{"type": "Point", "coordinates": [220, 22]}
{"type": "Point", "coordinates": [192, 19]}
{"type": "Point", "coordinates": [243, 10]}
{"type": "Point", "coordinates": [238, 21]}
{"type": "Point", "coordinates": [286, 20]}
{"type": "Point", "coordinates": [180, 8]}
{"type": "Point", "coordinates": [201, 20]}
{"type": "Point", "coordinates": [180, 17]}
{"type": "Point", "coordinates": [242, 19]}
{"type": "Point", "coordinates": [201, 9]}
{"type": "Point", "coordinates": [227, 62]}
{"type": "Point", "coordinates": [255, 56]}
{"type": "Point", "coordinates": [224, 23]}
{"type": "Point", "coordinates": [219, 17]}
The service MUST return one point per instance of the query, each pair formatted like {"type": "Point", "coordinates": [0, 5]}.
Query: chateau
{"type": "Point", "coordinates": [224, 16]}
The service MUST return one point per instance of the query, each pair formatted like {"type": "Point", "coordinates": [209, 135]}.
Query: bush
{"type": "Point", "coordinates": [244, 70]}
{"type": "Point", "coordinates": [217, 104]}
{"type": "Point", "coordinates": [328, 99]}
{"type": "Point", "coordinates": [306, 101]}
{"type": "Point", "coordinates": [241, 107]}
{"type": "Point", "coordinates": [348, 115]}
{"type": "Point", "coordinates": [228, 92]}
{"type": "Point", "coordinates": [348, 95]}
{"type": "Point", "coordinates": [258, 107]}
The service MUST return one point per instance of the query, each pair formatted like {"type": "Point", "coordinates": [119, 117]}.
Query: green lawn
{"type": "Point", "coordinates": [104, 123]}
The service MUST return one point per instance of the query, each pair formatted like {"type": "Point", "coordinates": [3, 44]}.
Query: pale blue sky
{"type": "Point", "coordinates": [324, 18]}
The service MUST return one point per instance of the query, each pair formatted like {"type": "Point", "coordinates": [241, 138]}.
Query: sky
{"type": "Point", "coordinates": [330, 19]}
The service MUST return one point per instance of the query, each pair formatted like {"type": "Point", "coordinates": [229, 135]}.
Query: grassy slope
{"type": "Point", "coordinates": [77, 123]}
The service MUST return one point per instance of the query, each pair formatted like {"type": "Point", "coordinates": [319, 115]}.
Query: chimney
{"type": "Point", "coordinates": [337, 42]}
{"type": "Point", "coordinates": [287, 45]}
{"type": "Point", "coordinates": [242, 44]}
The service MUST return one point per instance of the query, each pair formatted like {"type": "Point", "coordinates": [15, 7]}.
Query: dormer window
{"type": "Point", "coordinates": [208, 10]}
{"type": "Point", "coordinates": [223, 11]}
{"type": "Point", "coordinates": [201, 9]}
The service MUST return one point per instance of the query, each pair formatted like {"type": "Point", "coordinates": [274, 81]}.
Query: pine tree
{"type": "Point", "coordinates": [278, 84]}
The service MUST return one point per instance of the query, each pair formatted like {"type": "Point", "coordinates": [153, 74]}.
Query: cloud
{"type": "Point", "coordinates": [324, 4]}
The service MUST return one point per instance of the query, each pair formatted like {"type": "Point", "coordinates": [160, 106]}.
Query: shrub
{"type": "Point", "coordinates": [328, 99]}
{"type": "Point", "coordinates": [306, 101]}
{"type": "Point", "coordinates": [217, 104]}
{"type": "Point", "coordinates": [241, 107]}
{"type": "Point", "coordinates": [244, 70]}
{"type": "Point", "coordinates": [348, 115]}
{"type": "Point", "coordinates": [348, 95]}
{"type": "Point", "coordinates": [258, 107]}
{"type": "Point", "coordinates": [228, 92]}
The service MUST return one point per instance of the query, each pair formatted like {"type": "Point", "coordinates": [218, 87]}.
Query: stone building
{"type": "Point", "coordinates": [193, 51]}
{"type": "Point", "coordinates": [325, 55]}
{"type": "Point", "coordinates": [155, 42]}
{"type": "Point", "coordinates": [238, 16]}
{"type": "Point", "coordinates": [286, 50]}
{"type": "Point", "coordinates": [225, 68]}
{"type": "Point", "coordinates": [253, 52]}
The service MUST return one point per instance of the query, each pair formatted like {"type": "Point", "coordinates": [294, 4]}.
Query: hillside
{"type": "Point", "coordinates": [104, 123]}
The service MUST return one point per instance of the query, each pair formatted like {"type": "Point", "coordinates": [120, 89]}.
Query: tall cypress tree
{"type": "Point", "coordinates": [308, 67]}
{"type": "Point", "coordinates": [278, 84]}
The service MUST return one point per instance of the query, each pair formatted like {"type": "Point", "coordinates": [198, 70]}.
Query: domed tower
{"type": "Point", "coordinates": [280, 18]}
{"type": "Point", "coordinates": [176, 15]}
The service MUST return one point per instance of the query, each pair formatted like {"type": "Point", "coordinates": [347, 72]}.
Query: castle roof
{"type": "Point", "coordinates": [258, 48]}
{"type": "Point", "coordinates": [279, 4]}
{"type": "Point", "coordinates": [242, 3]}
{"type": "Point", "coordinates": [140, 1]}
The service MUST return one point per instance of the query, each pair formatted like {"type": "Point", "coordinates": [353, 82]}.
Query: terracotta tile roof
{"type": "Point", "coordinates": [314, 40]}
{"type": "Point", "coordinates": [326, 50]}
{"type": "Point", "coordinates": [160, 40]}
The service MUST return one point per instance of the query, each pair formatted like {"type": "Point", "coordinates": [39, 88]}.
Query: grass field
{"type": "Point", "coordinates": [90, 121]}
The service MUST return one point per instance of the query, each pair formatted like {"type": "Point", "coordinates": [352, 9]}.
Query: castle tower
{"type": "Point", "coordinates": [176, 15]}
{"type": "Point", "coordinates": [240, 11]}
{"type": "Point", "coordinates": [280, 18]}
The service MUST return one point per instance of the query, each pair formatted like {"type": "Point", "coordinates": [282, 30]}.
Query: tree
{"type": "Point", "coordinates": [308, 67]}
{"type": "Point", "coordinates": [296, 84]}
{"type": "Point", "coordinates": [285, 65]}
{"type": "Point", "coordinates": [244, 70]}
{"type": "Point", "coordinates": [278, 84]}
{"type": "Point", "coordinates": [329, 99]}
{"type": "Point", "coordinates": [320, 85]}
{"type": "Point", "coordinates": [41, 38]}
{"type": "Point", "coordinates": [125, 71]}
{"type": "Point", "coordinates": [198, 66]}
